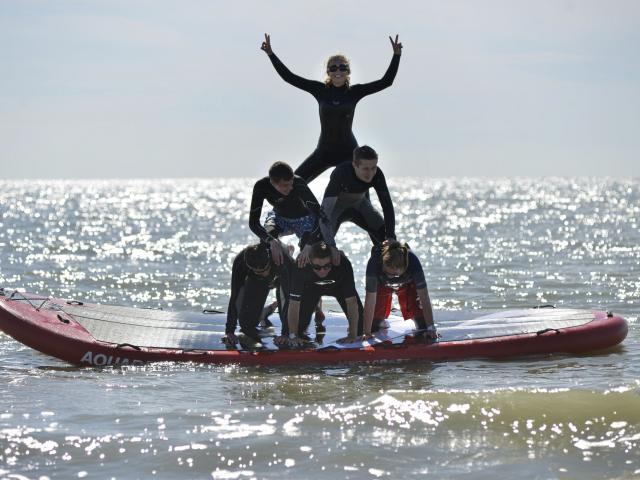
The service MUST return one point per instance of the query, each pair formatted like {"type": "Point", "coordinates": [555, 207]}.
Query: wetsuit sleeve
{"type": "Point", "coordinates": [296, 284]}
{"type": "Point", "coordinates": [348, 282]}
{"type": "Point", "coordinates": [311, 86]}
{"type": "Point", "coordinates": [257, 198]}
{"type": "Point", "coordinates": [282, 288]}
{"type": "Point", "coordinates": [372, 276]}
{"type": "Point", "coordinates": [364, 89]}
{"type": "Point", "coordinates": [238, 273]}
{"type": "Point", "coordinates": [284, 272]}
{"type": "Point", "coordinates": [381, 188]}
{"type": "Point", "coordinates": [415, 269]}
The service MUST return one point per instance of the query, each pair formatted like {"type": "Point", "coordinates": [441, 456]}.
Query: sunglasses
{"type": "Point", "coordinates": [334, 68]}
{"type": "Point", "coordinates": [326, 266]}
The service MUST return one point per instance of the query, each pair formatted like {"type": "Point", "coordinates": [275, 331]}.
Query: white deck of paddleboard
{"type": "Point", "coordinates": [198, 331]}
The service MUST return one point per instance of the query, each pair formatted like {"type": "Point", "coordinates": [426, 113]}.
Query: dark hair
{"type": "Point", "coordinates": [257, 257]}
{"type": "Point", "coordinates": [395, 254]}
{"type": "Point", "coordinates": [320, 250]}
{"type": "Point", "coordinates": [280, 171]}
{"type": "Point", "coordinates": [365, 152]}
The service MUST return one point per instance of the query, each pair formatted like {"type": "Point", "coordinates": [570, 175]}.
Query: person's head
{"type": "Point", "coordinates": [338, 71]}
{"type": "Point", "coordinates": [320, 259]}
{"type": "Point", "coordinates": [258, 259]}
{"type": "Point", "coordinates": [365, 163]}
{"type": "Point", "coordinates": [395, 258]}
{"type": "Point", "coordinates": [281, 177]}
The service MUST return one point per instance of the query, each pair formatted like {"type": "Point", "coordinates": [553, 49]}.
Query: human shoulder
{"type": "Point", "coordinates": [240, 256]}
{"type": "Point", "coordinates": [379, 176]}
{"type": "Point", "coordinates": [374, 264]}
{"type": "Point", "coordinates": [262, 184]}
{"type": "Point", "coordinates": [342, 172]}
{"type": "Point", "coordinates": [239, 266]}
{"type": "Point", "coordinates": [414, 262]}
{"type": "Point", "coordinates": [345, 263]}
{"type": "Point", "coordinates": [299, 182]}
{"type": "Point", "coordinates": [343, 168]}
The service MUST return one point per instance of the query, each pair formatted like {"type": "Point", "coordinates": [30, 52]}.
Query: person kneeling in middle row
{"type": "Point", "coordinates": [308, 285]}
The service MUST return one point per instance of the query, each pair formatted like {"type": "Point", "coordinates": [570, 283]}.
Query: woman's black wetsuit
{"type": "Point", "coordinates": [337, 106]}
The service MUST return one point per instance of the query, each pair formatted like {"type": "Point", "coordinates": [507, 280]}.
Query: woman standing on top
{"type": "Point", "coordinates": [337, 100]}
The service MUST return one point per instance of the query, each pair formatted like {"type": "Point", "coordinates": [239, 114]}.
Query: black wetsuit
{"type": "Point", "coordinates": [308, 288]}
{"type": "Point", "coordinates": [300, 202]}
{"type": "Point", "coordinates": [337, 106]}
{"type": "Point", "coordinates": [346, 199]}
{"type": "Point", "coordinates": [249, 292]}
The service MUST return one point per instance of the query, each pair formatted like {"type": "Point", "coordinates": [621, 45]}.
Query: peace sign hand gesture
{"type": "Point", "coordinates": [266, 45]}
{"type": "Point", "coordinates": [397, 46]}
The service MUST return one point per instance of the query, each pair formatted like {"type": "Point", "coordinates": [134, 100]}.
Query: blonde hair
{"type": "Point", "coordinates": [336, 58]}
{"type": "Point", "coordinates": [395, 255]}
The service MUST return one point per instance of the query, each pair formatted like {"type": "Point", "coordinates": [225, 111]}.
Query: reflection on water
{"type": "Point", "coordinates": [413, 431]}
{"type": "Point", "coordinates": [485, 243]}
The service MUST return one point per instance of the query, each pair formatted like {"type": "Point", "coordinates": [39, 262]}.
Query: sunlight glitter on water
{"type": "Point", "coordinates": [484, 243]}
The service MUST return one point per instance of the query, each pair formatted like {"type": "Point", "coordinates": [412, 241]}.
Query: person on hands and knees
{"type": "Point", "coordinates": [393, 267]}
{"type": "Point", "coordinates": [295, 210]}
{"type": "Point", "coordinates": [253, 275]}
{"type": "Point", "coordinates": [346, 199]}
{"type": "Point", "coordinates": [320, 277]}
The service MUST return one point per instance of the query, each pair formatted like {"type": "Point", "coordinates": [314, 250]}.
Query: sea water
{"type": "Point", "coordinates": [484, 244]}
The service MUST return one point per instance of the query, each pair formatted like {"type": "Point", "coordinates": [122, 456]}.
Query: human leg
{"type": "Point", "coordinates": [313, 165]}
{"type": "Point", "coordinates": [370, 220]}
{"type": "Point", "coordinates": [410, 305]}
{"type": "Point", "coordinates": [383, 307]}
{"type": "Point", "coordinates": [254, 295]}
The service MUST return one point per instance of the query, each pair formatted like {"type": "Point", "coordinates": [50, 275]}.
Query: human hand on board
{"type": "Point", "coordinates": [348, 339]}
{"type": "Point", "coordinates": [230, 339]}
{"type": "Point", "coordinates": [430, 333]}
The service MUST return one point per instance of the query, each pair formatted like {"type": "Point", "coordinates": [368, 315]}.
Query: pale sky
{"type": "Point", "coordinates": [163, 89]}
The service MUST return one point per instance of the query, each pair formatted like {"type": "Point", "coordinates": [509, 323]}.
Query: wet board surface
{"type": "Point", "coordinates": [101, 335]}
{"type": "Point", "coordinates": [199, 331]}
